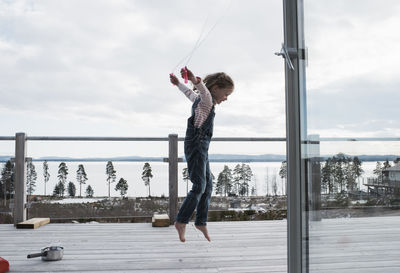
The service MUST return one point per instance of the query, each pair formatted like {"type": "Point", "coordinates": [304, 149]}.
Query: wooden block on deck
{"type": "Point", "coordinates": [160, 220]}
{"type": "Point", "coordinates": [33, 223]}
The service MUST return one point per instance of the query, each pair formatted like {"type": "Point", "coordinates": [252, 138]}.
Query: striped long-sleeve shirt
{"type": "Point", "coordinates": [205, 105]}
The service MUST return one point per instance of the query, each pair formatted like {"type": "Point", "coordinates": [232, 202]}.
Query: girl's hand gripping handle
{"type": "Point", "coordinates": [188, 75]}
{"type": "Point", "coordinates": [185, 74]}
{"type": "Point", "coordinates": [174, 80]}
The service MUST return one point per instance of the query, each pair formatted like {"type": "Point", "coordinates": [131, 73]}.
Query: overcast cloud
{"type": "Point", "coordinates": [101, 67]}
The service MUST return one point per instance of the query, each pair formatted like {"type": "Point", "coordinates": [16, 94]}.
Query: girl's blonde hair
{"type": "Point", "coordinates": [221, 79]}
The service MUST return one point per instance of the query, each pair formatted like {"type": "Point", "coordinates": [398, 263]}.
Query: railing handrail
{"type": "Point", "coordinates": [89, 138]}
{"type": "Point", "coordinates": [359, 139]}
{"type": "Point", "coordinates": [232, 139]}
{"type": "Point", "coordinates": [81, 138]}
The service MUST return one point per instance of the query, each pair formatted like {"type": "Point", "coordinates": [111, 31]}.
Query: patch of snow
{"type": "Point", "coordinates": [76, 200]}
{"type": "Point", "coordinates": [258, 209]}
{"type": "Point", "coordinates": [361, 202]}
{"type": "Point", "coordinates": [237, 209]}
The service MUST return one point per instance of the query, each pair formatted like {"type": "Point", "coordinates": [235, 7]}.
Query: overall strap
{"type": "Point", "coordinates": [195, 103]}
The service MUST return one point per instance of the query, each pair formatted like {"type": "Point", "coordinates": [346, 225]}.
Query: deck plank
{"type": "Point", "coordinates": [336, 245]}
{"type": "Point", "coordinates": [236, 247]}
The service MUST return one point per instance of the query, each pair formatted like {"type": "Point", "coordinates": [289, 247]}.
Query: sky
{"type": "Point", "coordinates": [100, 68]}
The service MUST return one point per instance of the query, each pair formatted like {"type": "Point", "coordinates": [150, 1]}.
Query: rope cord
{"type": "Point", "coordinates": [201, 39]}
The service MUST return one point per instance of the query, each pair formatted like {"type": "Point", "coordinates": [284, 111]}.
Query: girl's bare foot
{"type": "Point", "coordinates": [181, 228]}
{"type": "Point", "coordinates": [205, 232]}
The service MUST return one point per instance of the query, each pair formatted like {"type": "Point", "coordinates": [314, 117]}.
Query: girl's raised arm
{"type": "Point", "coordinates": [189, 93]}
{"type": "Point", "coordinates": [204, 94]}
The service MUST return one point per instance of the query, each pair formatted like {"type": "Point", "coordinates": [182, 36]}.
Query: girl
{"type": "Point", "coordinates": [214, 89]}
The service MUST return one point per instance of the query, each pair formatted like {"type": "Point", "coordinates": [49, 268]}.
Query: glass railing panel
{"type": "Point", "coordinates": [351, 113]}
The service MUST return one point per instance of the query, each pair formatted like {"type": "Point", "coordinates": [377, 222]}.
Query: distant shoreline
{"type": "Point", "coordinates": [212, 158]}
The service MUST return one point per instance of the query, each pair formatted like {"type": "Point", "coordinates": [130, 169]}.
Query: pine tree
{"type": "Point", "coordinates": [283, 174]}
{"type": "Point", "coordinates": [122, 187]}
{"type": "Point", "coordinates": [283, 170]}
{"type": "Point", "coordinates": [111, 175]}
{"type": "Point", "coordinates": [338, 171]}
{"type": "Point", "coordinates": [357, 167]}
{"type": "Point", "coordinates": [81, 177]}
{"type": "Point", "coordinates": [274, 185]}
{"type": "Point", "coordinates": [327, 176]}
{"type": "Point", "coordinates": [241, 177]}
{"type": "Point", "coordinates": [350, 176]}
{"type": "Point", "coordinates": [71, 189]}
{"type": "Point", "coordinates": [219, 189]}
{"type": "Point", "coordinates": [62, 176]}
{"type": "Point", "coordinates": [147, 175]}
{"type": "Point", "coordinates": [386, 165]}
{"type": "Point", "coordinates": [254, 187]}
{"type": "Point", "coordinates": [185, 175]}
{"type": "Point", "coordinates": [59, 189]}
{"type": "Point", "coordinates": [56, 191]}
{"type": "Point", "coordinates": [266, 178]}
{"type": "Point", "coordinates": [7, 180]}
{"type": "Point", "coordinates": [242, 189]}
{"type": "Point", "coordinates": [352, 170]}
{"type": "Point", "coordinates": [378, 171]}
{"type": "Point", "coordinates": [248, 174]}
{"type": "Point", "coordinates": [224, 182]}
{"type": "Point", "coordinates": [253, 191]}
{"type": "Point", "coordinates": [237, 178]}
{"type": "Point", "coordinates": [31, 177]}
{"type": "Point", "coordinates": [244, 185]}
{"type": "Point", "coordinates": [46, 175]}
{"type": "Point", "coordinates": [213, 180]}
{"type": "Point", "coordinates": [89, 191]}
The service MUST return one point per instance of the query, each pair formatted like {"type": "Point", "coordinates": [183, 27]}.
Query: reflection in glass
{"type": "Point", "coordinates": [351, 149]}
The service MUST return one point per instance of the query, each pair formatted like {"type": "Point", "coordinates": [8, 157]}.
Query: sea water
{"type": "Point", "coordinates": [265, 176]}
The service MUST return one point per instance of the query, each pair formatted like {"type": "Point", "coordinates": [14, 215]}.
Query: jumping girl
{"type": "Point", "coordinates": [214, 89]}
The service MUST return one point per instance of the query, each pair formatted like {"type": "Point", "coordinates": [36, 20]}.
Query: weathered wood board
{"type": "Point", "coordinates": [33, 223]}
{"type": "Point", "coordinates": [160, 220]}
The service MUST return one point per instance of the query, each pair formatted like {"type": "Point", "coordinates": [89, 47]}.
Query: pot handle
{"type": "Point", "coordinates": [35, 255]}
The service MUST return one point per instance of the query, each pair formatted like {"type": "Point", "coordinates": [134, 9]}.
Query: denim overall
{"type": "Point", "coordinates": [197, 141]}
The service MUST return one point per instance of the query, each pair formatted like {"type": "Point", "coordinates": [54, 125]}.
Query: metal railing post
{"type": "Point", "coordinates": [20, 178]}
{"type": "Point", "coordinates": [297, 222]}
{"type": "Point", "coordinates": [173, 176]}
{"type": "Point", "coordinates": [315, 176]}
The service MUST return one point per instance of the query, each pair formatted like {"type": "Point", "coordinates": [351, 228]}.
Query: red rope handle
{"type": "Point", "coordinates": [185, 75]}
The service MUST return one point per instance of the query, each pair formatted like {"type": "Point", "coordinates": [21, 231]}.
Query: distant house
{"type": "Point", "coordinates": [387, 184]}
{"type": "Point", "coordinates": [392, 174]}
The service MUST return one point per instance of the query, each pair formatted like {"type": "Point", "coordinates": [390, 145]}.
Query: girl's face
{"type": "Point", "coordinates": [220, 94]}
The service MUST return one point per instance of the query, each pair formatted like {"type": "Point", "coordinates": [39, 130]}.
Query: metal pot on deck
{"type": "Point", "coordinates": [51, 253]}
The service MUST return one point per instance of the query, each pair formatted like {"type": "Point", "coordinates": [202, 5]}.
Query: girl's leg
{"type": "Point", "coordinates": [181, 228]}
{"type": "Point", "coordinates": [202, 207]}
{"type": "Point", "coordinates": [203, 204]}
{"type": "Point", "coordinates": [197, 171]}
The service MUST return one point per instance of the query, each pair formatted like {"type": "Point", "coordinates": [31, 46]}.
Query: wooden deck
{"type": "Point", "coordinates": [354, 245]}
{"type": "Point", "coordinates": [235, 247]}
{"type": "Point", "coordinates": [336, 245]}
